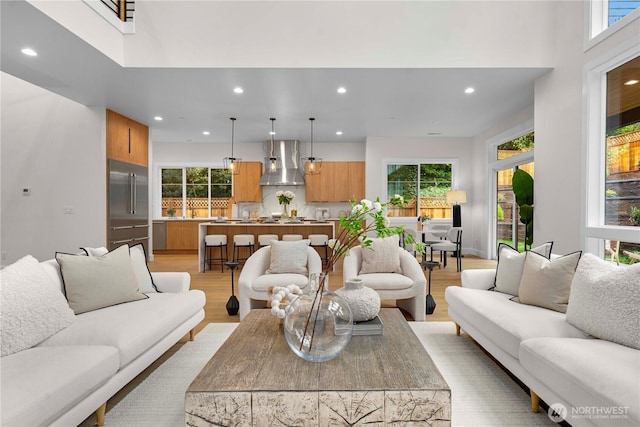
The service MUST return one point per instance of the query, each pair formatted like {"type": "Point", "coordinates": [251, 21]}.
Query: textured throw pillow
{"type": "Point", "coordinates": [141, 270]}
{"type": "Point", "coordinates": [547, 283]}
{"type": "Point", "coordinates": [96, 282]}
{"type": "Point", "coordinates": [510, 265]}
{"type": "Point", "coordinates": [31, 308]}
{"type": "Point", "coordinates": [288, 257]}
{"type": "Point", "coordinates": [605, 301]}
{"type": "Point", "coordinates": [383, 256]}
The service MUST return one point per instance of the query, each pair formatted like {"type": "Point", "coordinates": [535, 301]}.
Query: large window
{"type": "Point", "coordinates": [195, 192]}
{"type": "Point", "coordinates": [612, 147]}
{"type": "Point", "coordinates": [424, 186]}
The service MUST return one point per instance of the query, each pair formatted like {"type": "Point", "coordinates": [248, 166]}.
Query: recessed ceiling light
{"type": "Point", "coordinates": [29, 52]}
{"type": "Point", "coordinates": [238, 89]}
{"type": "Point", "coordinates": [469, 90]}
{"type": "Point", "coordinates": [342, 90]}
{"type": "Point", "coordinates": [631, 82]}
{"type": "Point", "coordinates": [157, 118]}
{"type": "Point", "coordinates": [206, 132]}
{"type": "Point", "coordinates": [339, 132]}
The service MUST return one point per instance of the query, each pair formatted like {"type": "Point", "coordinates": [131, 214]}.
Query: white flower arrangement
{"type": "Point", "coordinates": [285, 197]}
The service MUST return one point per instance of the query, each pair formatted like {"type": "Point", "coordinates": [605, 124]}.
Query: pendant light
{"type": "Point", "coordinates": [232, 163]}
{"type": "Point", "coordinates": [312, 164]}
{"type": "Point", "coordinates": [271, 163]}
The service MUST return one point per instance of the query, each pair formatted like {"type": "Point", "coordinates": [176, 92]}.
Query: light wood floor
{"type": "Point", "coordinates": [217, 285]}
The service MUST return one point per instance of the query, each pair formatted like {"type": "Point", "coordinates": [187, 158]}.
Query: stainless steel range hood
{"type": "Point", "coordinates": [288, 172]}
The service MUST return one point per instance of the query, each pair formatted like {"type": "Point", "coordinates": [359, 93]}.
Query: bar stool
{"type": "Point", "coordinates": [242, 241]}
{"type": "Point", "coordinates": [213, 241]}
{"type": "Point", "coordinates": [291, 237]}
{"type": "Point", "coordinates": [265, 239]}
{"type": "Point", "coordinates": [319, 241]}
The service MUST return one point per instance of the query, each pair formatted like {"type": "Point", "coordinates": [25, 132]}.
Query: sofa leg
{"type": "Point", "coordinates": [457, 329]}
{"type": "Point", "coordinates": [535, 402]}
{"type": "Point", "coordinates": [192, 334]}
{"type": "Point", "coordinates": [100, 414]}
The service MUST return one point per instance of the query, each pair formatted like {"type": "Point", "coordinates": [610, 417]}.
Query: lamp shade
{"type": "Point", "coordinates": [457, 196]}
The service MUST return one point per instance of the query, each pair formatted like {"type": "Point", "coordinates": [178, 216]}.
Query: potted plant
{"type": "Point", "coordinates": [171, 212]}
{"type": "Point", "coordinates": [422, 219]}
{"type": "Point", "coordinates": [522, 184]}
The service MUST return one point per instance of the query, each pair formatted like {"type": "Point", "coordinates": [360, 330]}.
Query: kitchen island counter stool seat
{"type": "Point", "coordinates": [240, 242]}
{"type": "Point", "coordinates": [213, 242]}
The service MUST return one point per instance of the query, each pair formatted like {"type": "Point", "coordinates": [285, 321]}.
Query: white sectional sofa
{"type": "Point", "coordinates": [584, 380]}
{"type": "Point", "coordinates": [66, 377]}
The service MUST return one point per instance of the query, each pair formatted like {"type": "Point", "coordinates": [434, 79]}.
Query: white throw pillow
{"type": "Point", "coordinates": [96, 282]}
{"type": "Point", "coordinates": [141, 270]}
{"type": "Point", "coordinates": [510, 265]}
{"type": "Point", "coordinates": [547, 283]}
{"type": "Point", "coordinates": [605, 301]}
{"type": "Point", "coordinates": [288, 257]}
{"type": "Point", "coordinates": [383, 256]}
{"type": "Point", "coordinates": [95, 251]}
{"type": "Point", "coordinates": [31, 308]}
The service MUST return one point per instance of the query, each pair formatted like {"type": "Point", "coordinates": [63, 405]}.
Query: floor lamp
{"type": "Point", "coordinates": [455, 198]}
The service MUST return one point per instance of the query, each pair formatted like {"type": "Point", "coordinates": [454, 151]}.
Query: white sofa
{"type": "Point", "coordinates": [595, 381]}
{"type": "Point", "coordinates": [65, 378]}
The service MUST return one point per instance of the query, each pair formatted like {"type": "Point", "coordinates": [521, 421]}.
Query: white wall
{"type": "Point", "coordinates": [56, 148]}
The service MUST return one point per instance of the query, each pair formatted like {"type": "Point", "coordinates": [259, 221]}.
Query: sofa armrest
{"type": "Point", "coordinates": [478, 278]}
{"type": "Point", "coordinates": [173, 282]}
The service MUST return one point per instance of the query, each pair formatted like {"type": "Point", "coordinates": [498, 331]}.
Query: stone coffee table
{"type": "Point", "coordinates": [254, 379]}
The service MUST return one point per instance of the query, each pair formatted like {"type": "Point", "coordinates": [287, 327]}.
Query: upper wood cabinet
{"type": "Point", "coordinates": [127, 140]}
{"type": "Point", "coordinates": [245, 184]}
{"type": "Point", "coordinates": [336, 182]}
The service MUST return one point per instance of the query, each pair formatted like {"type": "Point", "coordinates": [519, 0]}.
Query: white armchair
{"type": "Point", "coordinates": [255, 283]}
{"type": "Point", "coordinates": [407, 288]}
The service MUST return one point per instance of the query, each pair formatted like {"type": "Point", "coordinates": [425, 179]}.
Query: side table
{"type": "Point", "coordinates": [233, 305]}
{"type": "Point", "coordinates": [431, 303]}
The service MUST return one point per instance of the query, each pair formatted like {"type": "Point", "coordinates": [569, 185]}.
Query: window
{"type": "Point", "coordinates": [607, 16]}
{"type": "Point", "coordinates": [195, 192]}
{"type": "Point", "coordinates": [612, 174]}
{"type": "Point", "coordinates": [424, 186]}
{"type": "Point", "coordinates": [618, 9]}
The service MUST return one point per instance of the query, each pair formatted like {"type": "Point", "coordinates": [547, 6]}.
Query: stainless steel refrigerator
{"type": "Point", "coordinates": [128, 221]}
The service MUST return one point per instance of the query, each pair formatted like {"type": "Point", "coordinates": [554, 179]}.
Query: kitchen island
{"type": "Point", "coordinates": [231, 228]}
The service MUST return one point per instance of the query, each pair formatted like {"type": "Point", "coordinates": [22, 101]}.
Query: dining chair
{"type": "Point", "coordinates": [453, 243]}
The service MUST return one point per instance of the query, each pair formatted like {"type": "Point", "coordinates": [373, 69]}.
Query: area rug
{"type": "Point", "coordinates": [482, 393]}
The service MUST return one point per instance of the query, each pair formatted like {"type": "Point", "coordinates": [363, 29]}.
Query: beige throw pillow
{"type": "Point", "coordinates": [383, 256]}
{"type": "Point", "coordinates": [547, 283]}
{"type": "Point", "coordinates": [510, 265]}
{"type": "Point", "coordinates": [96, 282]}
{"type": "Point", "coordinates": [288, 257]}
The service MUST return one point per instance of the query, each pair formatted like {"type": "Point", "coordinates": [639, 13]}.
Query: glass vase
{"type": "Point", "coordinates": [285, 210]}
{"type": "Point", "coordinates": [318, 326]}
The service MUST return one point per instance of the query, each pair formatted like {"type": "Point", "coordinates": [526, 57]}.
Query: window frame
{"type": "Point", "coordinates": [419, 161]}
{"type": "Point", "coordinates": [593, 228]}
{"type": "Point", "coordinates": [157, 186]}
{"type": "Point", "coordinates": [494, 165]}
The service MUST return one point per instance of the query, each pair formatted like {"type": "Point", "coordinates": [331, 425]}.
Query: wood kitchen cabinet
{"type": "Point", "coordinates": [127, 140]}
{"type": "Point", "coordinates": [182, 235]}
{"type": "Point", "coordinates": [245, 184]}
{"type": "Point", "coordinates": [336, 182]}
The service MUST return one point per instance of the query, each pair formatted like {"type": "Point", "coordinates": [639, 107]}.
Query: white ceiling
{"type": "Point", "coordinates": [414, 102]}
